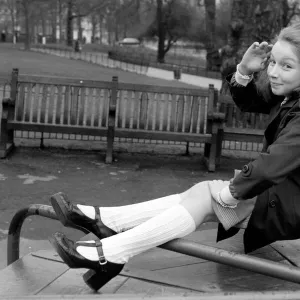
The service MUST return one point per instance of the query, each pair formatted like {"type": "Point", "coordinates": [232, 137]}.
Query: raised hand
{"type": "Point", "coordinates": [255, 58]}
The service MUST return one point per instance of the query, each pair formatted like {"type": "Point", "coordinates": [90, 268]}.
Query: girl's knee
{"type": "Point", "coordinates": [198, 201]}
{"type": "Point", "coordinates": [198, 188]}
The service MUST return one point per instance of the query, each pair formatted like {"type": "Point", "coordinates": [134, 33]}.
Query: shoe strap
{"type": "Point", "coordinates": [97, 213]}
{"type": "Point", "coordinates": [98, 245]}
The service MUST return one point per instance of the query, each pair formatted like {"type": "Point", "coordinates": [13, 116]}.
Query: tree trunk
{"type": "Point", "coordinates": [101, 24]}
{"type": "Point", "coordinates": [27, 24]}
{"type": "Point", "coordinates": [116, 26]}
{"type": "Point", "coordinates": [251, 20]}
{"type": "Point", "coordinates": [212, 54]}
{"type": "Point", "coordinates": [70, 24]}
{"type": "Point", "coordinates": [12, 10]}
{"type": "Point", "coordinates": [53, 30]}
{"type": "Point", "coordinates": [79, 28]}
{"type": "Point", "coordinates": [94, 24]}
{"type": "Point", "coordinates": [116, 33]}
{"type": "Point", "coordinates": [44, 26]}
{"type": "Point", "coordinates": [161, 33]}
{"type": "Point", "coordinates": [54, 13]}
{"type": "Point", "coordinates": [60, 23]}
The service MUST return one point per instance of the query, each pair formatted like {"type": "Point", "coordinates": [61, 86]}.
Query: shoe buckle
{"type": "Point", "coordinates": [102, 260]}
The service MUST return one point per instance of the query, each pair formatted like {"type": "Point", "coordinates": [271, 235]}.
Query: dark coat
{"type": "Point", "coordinates": [274, 176]}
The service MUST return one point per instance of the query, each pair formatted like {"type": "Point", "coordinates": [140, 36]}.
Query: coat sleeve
{"type": "Point", "coordinates": [247, 97]}
{"type": "Point", "coordinates": [272, 167]}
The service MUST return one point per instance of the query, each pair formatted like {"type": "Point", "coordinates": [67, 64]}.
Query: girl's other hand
{"type": "Point", "coordinates": [219, 186]}
{"type": "Point", "coordinates": [255, 58]}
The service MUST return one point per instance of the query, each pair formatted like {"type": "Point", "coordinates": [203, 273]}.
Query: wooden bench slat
{"type": "Point", "coordinates": [243, 135]}
{"type": "Point", "coordinates": [162, 135]}
{"type": "Point", "coordinates": [162, 89]}
{"type": "Point", "coordinates": [63, 81]}
{"type": "Point", "coordinates": [53, 128]}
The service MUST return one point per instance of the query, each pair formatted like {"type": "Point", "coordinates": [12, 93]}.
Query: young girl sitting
{"type": "Point", "coordinates": [263, 198]}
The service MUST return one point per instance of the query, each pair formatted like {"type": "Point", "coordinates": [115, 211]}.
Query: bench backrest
{"type": "Point", "coordinates": [4, 87]}
{"type": "Point", "coordinates": [162, 108]}
{"type": "Point", "coordinates": [235, 118]}
{"type": "Point", "coordinates": [74, 102]}
{"type": "Point", "coordinates": [62, 101]}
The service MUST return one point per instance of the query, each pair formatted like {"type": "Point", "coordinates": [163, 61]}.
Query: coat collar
{"type": "Point", "coordinates": [285, 104]}
{"type": "Point", "coordinates": [290, 100]}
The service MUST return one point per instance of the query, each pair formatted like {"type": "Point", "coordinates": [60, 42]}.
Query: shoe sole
{"type": "Point", "coordinates": [61, 213]}
{"type": "Point", "coordinates": [64, 256]}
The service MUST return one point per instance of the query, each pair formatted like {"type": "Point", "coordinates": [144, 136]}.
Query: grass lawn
{"type": "Point", "coordinates": [48, 65]}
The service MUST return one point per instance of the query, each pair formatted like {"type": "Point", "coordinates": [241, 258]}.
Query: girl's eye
{"type": "Point", "coordinates": [271, 62]}
{"type": "Point", "coordinates": [286, 66]}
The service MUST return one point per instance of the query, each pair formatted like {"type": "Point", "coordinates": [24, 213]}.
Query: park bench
{"type": "Point", "coordinates": [42, 274]}
{"type": "Point", "coordinates": [112, 110]}
{"type": "Point", "coordinates": [251, 127]}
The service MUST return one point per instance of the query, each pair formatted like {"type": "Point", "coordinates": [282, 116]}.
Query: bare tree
{"type": "Point", "coordinates": [173, 21]}
{"type": "Point", "coordinates": [210, 44]}
{"type": "Point", "coordinates": [77, 9]}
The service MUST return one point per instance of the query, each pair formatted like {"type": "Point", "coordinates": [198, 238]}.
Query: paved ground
{"type": "Point", "coordinates": [32, 175]}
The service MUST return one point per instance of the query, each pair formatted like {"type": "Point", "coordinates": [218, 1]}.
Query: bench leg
{"type": "Point", "coordinates": [110, 144]}
{"type": "Point", "coordinates": [210, 153]}
{"type": "Point", "coordinates": [219, 142]}
{"type": "Point", "coordinates": [6, 139]}
{"type": "Point", "coordinates": [210, 161]}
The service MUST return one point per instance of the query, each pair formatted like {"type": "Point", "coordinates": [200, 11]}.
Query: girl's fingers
{"type": "Point", "coordinates": [263, 45]}
{"type": "Point", "coordinates": [270, 46]}
{"type": "Point", "coordinates": [255, 45]}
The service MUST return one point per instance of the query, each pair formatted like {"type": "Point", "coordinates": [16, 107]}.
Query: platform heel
{"type": "Point", "coordinates": [101, 271]}
{"type": "Point", "coordinates": [95, 280]}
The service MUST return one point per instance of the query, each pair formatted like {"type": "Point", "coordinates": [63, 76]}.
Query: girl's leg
{"type": "Point", "coordinates": [122, 218]}
{"type": "Point", "coordinates": [198, 202]}
{"type": "Point", "coordinates": [177, 221]}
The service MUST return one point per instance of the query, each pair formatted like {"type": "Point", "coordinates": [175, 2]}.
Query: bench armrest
{"type": "Point", "coordinates": [216, 116]}
{"type": "Point", "coordinates": [7, 102]}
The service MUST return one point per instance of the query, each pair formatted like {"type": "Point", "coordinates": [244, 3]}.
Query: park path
{"type": "Point", "coordinates": [34, 63]}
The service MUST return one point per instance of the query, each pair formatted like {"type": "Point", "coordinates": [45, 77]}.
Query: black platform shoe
{"type": "Point", "coordinates": [104, 270]}
{"type": "Point", "coordinates": [71, 216]}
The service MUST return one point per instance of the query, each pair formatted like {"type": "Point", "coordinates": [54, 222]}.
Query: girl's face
{"type": "Point", "coordinates": [284, 69]}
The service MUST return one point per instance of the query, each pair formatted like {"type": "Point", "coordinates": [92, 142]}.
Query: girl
{"type": "Point", "coordinates": [263, 198]}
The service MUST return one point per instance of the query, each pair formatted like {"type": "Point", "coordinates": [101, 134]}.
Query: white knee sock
{"type": "Point", "coordinates": [122, 218]}
{"type": "Point", "coordinates": [174, 222]}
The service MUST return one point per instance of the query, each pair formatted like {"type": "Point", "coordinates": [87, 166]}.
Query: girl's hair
{"type": "Point", "coordinates": [290, 34]}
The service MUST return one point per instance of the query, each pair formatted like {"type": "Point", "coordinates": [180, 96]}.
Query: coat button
{"type": "Point", "coordinates": [272, 203]}
{"type": "Point", "coordinates": [245, 168]}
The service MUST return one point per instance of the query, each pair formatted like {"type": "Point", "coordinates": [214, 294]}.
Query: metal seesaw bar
{"type": "Point", "coordinates": [14, 231]}
{"type": "Point", "coordinates": [243, 261]}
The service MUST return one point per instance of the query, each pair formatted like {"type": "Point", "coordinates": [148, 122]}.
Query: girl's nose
{"type": "Point", "coordinates": [273, 71]}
